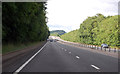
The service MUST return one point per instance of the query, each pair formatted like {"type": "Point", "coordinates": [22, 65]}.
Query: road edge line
{"type": "Point", "coordinates": [21, 67]}
{"type": "Point", "coordinates": [95, 67]}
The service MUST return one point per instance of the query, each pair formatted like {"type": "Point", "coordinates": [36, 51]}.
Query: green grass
{"type": "Point", "coordinates": [54, 34]}
{"type": "Point", "coordinates": [6, 48]}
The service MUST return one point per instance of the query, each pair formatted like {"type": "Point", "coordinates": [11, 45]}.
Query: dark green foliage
{"type": "Point", "coordinates": [57, 32]}
{"type": "Point", "coordinates": [87, 29]}
{"type": "Point", "coordinates": [24, 22]}
{"type": "Point", "coordinates": [96, 30]}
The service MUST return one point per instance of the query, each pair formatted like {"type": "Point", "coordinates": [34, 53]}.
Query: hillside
{"type": "Point", "coordinates": [96, 30]}
{"type": "Point", "coordinates": [71, 36]}
{"type": "Point", "coordinates": [57, 32]}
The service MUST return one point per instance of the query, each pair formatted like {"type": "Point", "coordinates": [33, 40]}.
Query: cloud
{"type": "Point", "coordinates": [69, 14]}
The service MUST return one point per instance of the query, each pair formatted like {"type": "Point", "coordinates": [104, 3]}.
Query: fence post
{"type": "Point", "coordinates": [105, 49]}
{"type": "Point", "coordinates": [97, 47]}
{"type": "Point", "coordinates": [109, 49]}
{"type": "Point", "coordinates": [101, 48]}
{"type": "Point", "coordinates": [115, 50]}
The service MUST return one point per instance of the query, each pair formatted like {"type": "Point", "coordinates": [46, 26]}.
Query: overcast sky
{"type": "Point", "coordinates": [67, 15]}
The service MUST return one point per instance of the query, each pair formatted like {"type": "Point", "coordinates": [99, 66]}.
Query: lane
{"type": "Point", "coordinates": [53, 58]}
{"type": "Point", "coordinates": [106, 63]}
{"type": "Point", "coordinates": [14, 63]}
{"type": "Point", "coordinates": [57, 57]}
{"type": "Point", "coordinates": [19, 69]}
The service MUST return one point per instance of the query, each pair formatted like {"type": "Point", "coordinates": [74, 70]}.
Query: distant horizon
{"type": "Point", "coordinates": [71, 14]}
{"type": "Point", "coordinates": [80, 23]}
{"type": "Point", "coordinates": [63, 30]}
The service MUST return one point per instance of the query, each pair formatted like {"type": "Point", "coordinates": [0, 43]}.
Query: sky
{"type": "Point", "coordinates": [67, 15]}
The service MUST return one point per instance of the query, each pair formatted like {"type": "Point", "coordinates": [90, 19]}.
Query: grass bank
{"type": "Point", "coordinates": [10, 47]}
{"type": "Point", "coordinates": [113, 47]}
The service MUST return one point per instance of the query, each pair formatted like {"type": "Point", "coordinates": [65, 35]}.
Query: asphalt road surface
{"type": "Point", "coordinates": [57, 57]}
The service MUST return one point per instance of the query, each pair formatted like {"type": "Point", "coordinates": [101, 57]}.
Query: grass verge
{"type": "Point", "coordinates": [6, 48]}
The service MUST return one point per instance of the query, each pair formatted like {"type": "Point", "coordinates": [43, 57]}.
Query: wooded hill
{"type": "Point", "coordinates": [96, 30]}
{"type": "Point", "coordinates": [24, 22]}
{"type": "Point", "coordinates": [57, 32]}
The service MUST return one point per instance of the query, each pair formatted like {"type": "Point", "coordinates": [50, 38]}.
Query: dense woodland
{"type": "Point", "coordinates": [96, 30]}
{"type": "Point", "coordinates": [24, 22]}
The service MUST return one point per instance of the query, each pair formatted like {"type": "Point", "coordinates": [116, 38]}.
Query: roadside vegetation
{"type": "Point", "coordinates": [19, 46]}
{"type": "Point", "coordinates": [72, 36]}
{"type": "Point", "coordinates": [57, 33]}
{"type": "Point", "coordinates": [96, 30]}
{"type": "Point", "coordinates": [22, 24]}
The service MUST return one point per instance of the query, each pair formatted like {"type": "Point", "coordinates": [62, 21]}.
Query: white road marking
{"type": "Point", "coordinates": [69, 52]}
{"type": "Point", "coordinates": [77, 57]}
{"type": "Point", "coordinates": [65, 50]}
{"type": "Point", "coordinates": [95, 67]}
{"type": "Point", "coordinates": [20, 68]}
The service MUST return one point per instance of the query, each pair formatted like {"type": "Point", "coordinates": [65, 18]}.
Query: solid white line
{"type": "Point", "coordinates": [20, 68]}
{"type": "Point", "coordinates": [95, 67]}
{"type": "Point", "coordinates": [77, 57]}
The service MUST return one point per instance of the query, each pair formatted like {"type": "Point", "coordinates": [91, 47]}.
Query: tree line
{"type": "Point", "coordinates": [96, 30]}
{"type": "Point", "coordinates": [57, 32]}
{"type": "Point", "coordinates": [24, 22]}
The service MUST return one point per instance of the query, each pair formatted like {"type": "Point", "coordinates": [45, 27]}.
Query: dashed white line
{"type": "Point", "coordinates": [95, 67]}
{"type": "Point", "coordinates": [19, 69]}
{"type": "Point", "coordinates": [69, 52]}
{"type": "Point", "coordinates": [77, 57]}
{"type": "Point", "coordinates": [65, 50]}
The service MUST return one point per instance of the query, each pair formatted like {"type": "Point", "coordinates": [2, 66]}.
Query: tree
{"type": "Point", "coordinates": [24, 22]}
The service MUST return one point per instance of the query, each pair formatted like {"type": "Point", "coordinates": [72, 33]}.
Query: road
{"type": "Point", "coordinates": [57, 57]}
